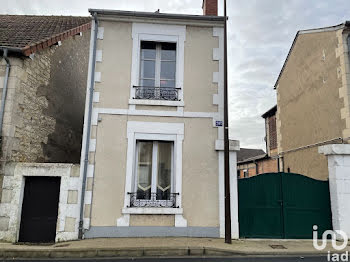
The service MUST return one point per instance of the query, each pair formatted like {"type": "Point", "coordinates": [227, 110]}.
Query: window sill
{"type": "Point", "coordinates": [152, 211]}
{"type": "Point", "coordinates": [155, 102]}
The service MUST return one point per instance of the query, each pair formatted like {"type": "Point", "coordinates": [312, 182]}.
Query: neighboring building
{"type": "Point", "coordinates": [43, 75]}
{"type": "Point", "coordinates": [271, 132]}
{"type": "Point", "coordinates": [313, 99]}
{"type": "Point", "coordinates": [156, 146]}
{"type": "Point", "coordinates": [247, 169]}
{"type": "Point", "coordinates": [44, 105]}
{"type": "Point", "coordinates": [251, 162]}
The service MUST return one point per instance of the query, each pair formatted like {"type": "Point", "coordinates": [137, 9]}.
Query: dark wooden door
{"type": "Point", "coordinates": [39, 209]}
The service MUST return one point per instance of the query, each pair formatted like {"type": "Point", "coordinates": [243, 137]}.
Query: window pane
{"type": "Point", "coordinates": [164, 170]}
{"type": "Point", "coordinates": [144, 169]}
{"type": "Point", "coordinates": [168, 51]}
{"type": "Point", "coordinates": [148, 50]}
{"type": "Point", "coordinates": [147, 82]}
{"type": "Point", "coordinates": [148, 69]}
{"type": "Point", "coordinates": [167, 70]}
{"type": "Point", "coordinates": [167, 83]}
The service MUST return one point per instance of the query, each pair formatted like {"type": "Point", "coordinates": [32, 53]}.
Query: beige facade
{"type": "Point", "coordinates": [191, 123]}
{"type": "Point", "coordinates": [312, 101]}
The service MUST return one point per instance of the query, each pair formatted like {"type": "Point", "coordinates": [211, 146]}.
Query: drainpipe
{"type": "Point", "coordinates": [4, 90]}
{"type": "Point", "coordinates": [88, 129]}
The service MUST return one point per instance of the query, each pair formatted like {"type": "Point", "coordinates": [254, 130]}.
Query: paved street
{"type": "Point", "coordinates": [189, 259]}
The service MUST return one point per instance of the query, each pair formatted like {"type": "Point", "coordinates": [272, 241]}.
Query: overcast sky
{"type": "Point", "coordinates": [260, 35]}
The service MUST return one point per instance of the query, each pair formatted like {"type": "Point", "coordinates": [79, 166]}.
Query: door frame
{"type": "Point", "coordinates": [70, 181]}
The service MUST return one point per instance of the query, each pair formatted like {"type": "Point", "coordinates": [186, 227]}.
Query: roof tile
{"type": "Point", "coordinates": [22, 31]}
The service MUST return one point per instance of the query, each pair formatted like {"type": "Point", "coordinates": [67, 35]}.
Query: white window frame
{"type": "Point", "coordinates": [157, 33]}
{"type": "Point", "coordinates": [154, 181]}
{"type": "Point", "coordinates": [158, 64]}
{"type": "Point", "coordinates": [154, 131]}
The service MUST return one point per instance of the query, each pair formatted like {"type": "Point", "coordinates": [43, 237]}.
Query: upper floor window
{"type": "Point", "coordinates": [272, 132]}
{"type": "Point", "coordinates": [157, 71]}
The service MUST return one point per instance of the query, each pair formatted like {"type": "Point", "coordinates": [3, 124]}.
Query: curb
{"type": "Point", "coordinates": [141, 252]}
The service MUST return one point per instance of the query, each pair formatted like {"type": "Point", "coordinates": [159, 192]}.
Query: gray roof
{"type": "Point", "coordinates": [270, 112]}
{"type": "Point", "coordinates": [249, 153]}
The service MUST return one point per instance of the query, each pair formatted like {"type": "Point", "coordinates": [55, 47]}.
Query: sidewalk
{"type": "Point", "coordinates": [137, 247]}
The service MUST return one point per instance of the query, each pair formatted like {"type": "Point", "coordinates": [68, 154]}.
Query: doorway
{"type": "Point", "coordinates": [39, 209]}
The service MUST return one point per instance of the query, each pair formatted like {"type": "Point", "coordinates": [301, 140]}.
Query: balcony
{"type": "Point", "coordinates": [156, 93]}
{"type": "Point", "coordinates": [142, 199]}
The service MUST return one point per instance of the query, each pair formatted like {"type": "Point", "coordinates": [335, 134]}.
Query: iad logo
{"type": "Point", "coordinates": [333, 234]}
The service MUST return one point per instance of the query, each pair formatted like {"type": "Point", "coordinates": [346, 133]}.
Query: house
{"type": "Point", "coordinates": [251, 162]}
{"type": "Point", "coordinates": [313, 99]}
{"type": "Point", "coordinates": [154, 139]}
{"type": "Point", "coordinates": [43, 75]}
{"type": "Point", "coordinates": [244, 169]}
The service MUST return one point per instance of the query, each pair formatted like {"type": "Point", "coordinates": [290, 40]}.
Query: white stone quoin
{"type": "Point", "coordinates": [339, 184]}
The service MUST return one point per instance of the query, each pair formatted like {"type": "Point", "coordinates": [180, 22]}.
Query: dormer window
{"type": "Point", "coordinates": [157, 71]}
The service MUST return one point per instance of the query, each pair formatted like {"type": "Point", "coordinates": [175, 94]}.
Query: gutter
{"type": "Point", "coordinates": [157, 15]}
{"type": "Point", "coordinates": [88, 126]}
{"type": "Point", "coordinates": [4, 90]}
{"type": "Point", "coordinates": [338, 139]}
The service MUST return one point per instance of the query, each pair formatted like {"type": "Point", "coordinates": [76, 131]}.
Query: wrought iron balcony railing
{"type": "Point", "coordinates": [156, 93]}
{"type": "Point", "coordinates": [142, 199]}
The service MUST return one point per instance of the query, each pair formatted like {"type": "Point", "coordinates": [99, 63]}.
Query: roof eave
{"type": "Point", "coordinates": [270, 111]}
{"type": "Point", "coordinates": [136, 14]}
{"type": "Point", "coordinates": [27, 50]}
{"type": "Point", "coordinates": [253, 159]}
{"type": "Point", "coordinates": [54, 39]}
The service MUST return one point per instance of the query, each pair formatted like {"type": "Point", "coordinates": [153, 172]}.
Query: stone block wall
{"type": "Point", "coordinates": [12, 197]}
{"type": "Point", "coordinates": [338, 156]}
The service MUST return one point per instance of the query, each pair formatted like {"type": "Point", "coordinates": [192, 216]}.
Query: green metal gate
{"type": "Point", "coordinates": [283, 205]}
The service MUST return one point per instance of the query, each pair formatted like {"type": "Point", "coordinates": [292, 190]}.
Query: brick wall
{"type": "Point", "coordinates": [210, 7]}
{"type": "Point", "coordinates": [267, 165]}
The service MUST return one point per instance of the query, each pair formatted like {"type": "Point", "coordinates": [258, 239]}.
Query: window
{"type": "Point", "coordinates": [272, 132]}
{"type": "Point", "coordinates": [157, 71]}
{"type": "Point", "coordinates": [153, 174]}
{"type": "Point", "coordinates": [245, 173]}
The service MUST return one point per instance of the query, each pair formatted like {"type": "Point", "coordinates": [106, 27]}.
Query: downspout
{"type": "Point", "coordinates": [88, 127]}
{"type": "Point", "coordinates": [4, 90]}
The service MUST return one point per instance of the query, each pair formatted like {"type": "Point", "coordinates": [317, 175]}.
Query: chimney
{"type": "Point", "coordinates": [210, 7]}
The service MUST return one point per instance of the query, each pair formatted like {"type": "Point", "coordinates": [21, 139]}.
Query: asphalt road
{"type": "Point", "coordinates": [187, 259]}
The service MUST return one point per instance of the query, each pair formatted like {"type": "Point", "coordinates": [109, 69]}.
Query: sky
{"type": "Point", "coordinates": [260, 33]}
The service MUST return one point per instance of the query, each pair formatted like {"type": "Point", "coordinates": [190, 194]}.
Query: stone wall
{"type": "Point", "coordinates": [12, 197]}
{"type": "Point", "coordinates": [45, 104]}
